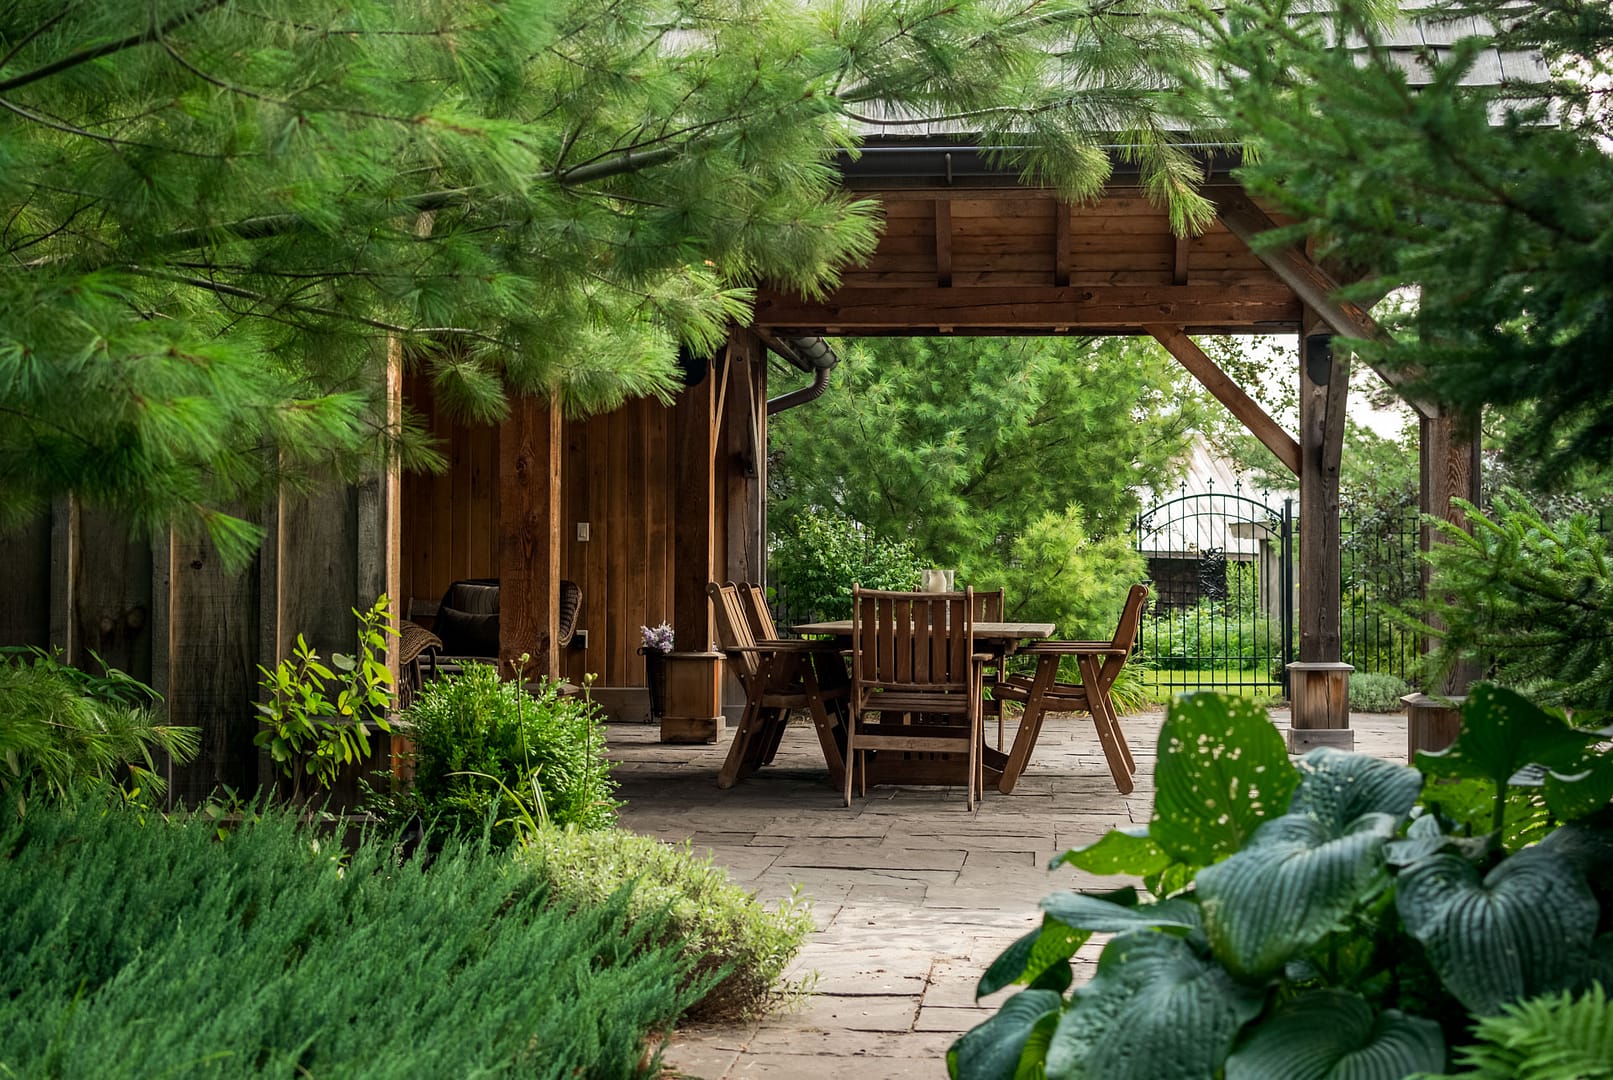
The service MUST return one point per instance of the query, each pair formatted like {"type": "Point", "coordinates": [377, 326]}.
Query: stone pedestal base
{"type": "Point", "coordinates": [693, 698]}
{"type": "Point", "coordinates": [1431, 723]}
{"type": "Point", "coordinates": [1320, 692]}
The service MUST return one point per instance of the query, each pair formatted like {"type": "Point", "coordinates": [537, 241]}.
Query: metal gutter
{"type": "Point", "coordinates": [809, 354]}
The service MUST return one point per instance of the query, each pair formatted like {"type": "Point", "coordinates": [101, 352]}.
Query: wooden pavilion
{"type": "Point", "coordinates": [643, 506]}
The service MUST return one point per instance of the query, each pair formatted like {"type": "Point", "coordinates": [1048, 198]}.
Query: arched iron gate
{"type": "Point", "coordinates": [1222, 615]}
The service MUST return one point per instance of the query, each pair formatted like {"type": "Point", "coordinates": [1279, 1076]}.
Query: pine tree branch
{"type": "Point", "coordinates": [30, 35]}
{"type": "Point", "coordinates": [226, 289]}
{"type": "Point", "coordinates": [84, 56]}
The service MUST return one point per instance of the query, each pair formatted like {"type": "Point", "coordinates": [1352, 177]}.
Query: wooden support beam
{"type": "Point", "coordinates": [943, 243]}
{"type": "Point", "coordinates": [1115, 308]}
{"type": "Point", "coordinates": [1449, 469]}
{"type": "Point", "coordinates": [1313, 285]}
{"type": "Point", "coordinates": [744, 441]}
{"type": "Point", "coordinates": [1179, 259]}
{"type": "Point", "coordinates": [1324, 385]}
{"type": "Point", "coordinates": [1319, 680]}
{"type": "Point", "coordinates": [1244, 408]}
{"type": "Point", "coordinates": [529, 447]}
{"type": "Point", "coordinates": [694, 705]}
{"type": "Point", "coordinates": [1061, 244]}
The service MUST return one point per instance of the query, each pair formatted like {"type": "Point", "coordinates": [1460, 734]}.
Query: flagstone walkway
{"type": "Point", "coordinates": [912, 895]}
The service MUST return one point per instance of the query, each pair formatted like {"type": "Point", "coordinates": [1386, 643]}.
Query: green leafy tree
{"type": "Point", "coordinates": [1017, 461]}
{"type": "Point", "coordinates": [221, 218]}
{"type": "Point", "coordinates": [1491, 206]}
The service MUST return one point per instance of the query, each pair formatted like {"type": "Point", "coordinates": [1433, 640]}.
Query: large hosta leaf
{"type": "Point", "coordinates": [1223, 770]}
{"type": "Point", "coordinates": [1333, 1035]}
{"type": "Point", "coordinates": [1502, 731]}
{"type": "Point", "coordinates": [1303, 872]}
{"type": "Point", "coordinates": [1119, 851]}
{"type": "Point", "coordinates": [1033, 956]}
{"type": "Point", "coordinates": [1094, 913]}
{"type": "Point", "coordinates": [1524, 929]}
{"type": "Point", "coordinates": [1156, 1010]}
{"type": "Point", "coordinates": [992, 1050]}
{"type": "Point", "coordinates": [1337, 787]}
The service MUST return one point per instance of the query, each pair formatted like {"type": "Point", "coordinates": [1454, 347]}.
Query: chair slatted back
{"type": "Point", "coordinates": [911, 640]}
{"type": "Point", "coordinates": [989, 605]}
{"type": "Point", "coordinates": [1125, 633]}
{"type": "Point", "coordinates": [761, 617]}
{"type": "Point", "coordinates": [733, 629]}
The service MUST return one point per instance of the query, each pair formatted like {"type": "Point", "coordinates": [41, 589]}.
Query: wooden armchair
{"type": "Point", "coordinates": [1098, 662]}
{"type": "Point", "coordinates": [778, 676]}
{"type": "Point", "coordinates": [915, 680]}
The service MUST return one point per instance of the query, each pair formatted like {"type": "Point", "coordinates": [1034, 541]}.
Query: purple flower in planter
{"type": "Point", "coordinates": [657, 638]}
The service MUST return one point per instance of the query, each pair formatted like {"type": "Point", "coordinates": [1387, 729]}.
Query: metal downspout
{"type": "Point", "coordinates": [809, 354]}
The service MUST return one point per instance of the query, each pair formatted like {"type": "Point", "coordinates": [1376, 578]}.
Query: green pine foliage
{"type": "Point", "coordinates": [134, 951]}
{"type": "Point", "coordinates": [1530, 600]}
{"type": "Point", "coordinates": [740, 946]}
{"type": "Point", "coordinates": [481, 743]}
{"type": "Point", "coordinates": [222, 220]}
{"type": "Point", "coordinates": [64, 732]}
{"type": "Point", "coordinates": [1492, 204]}
{"type": "Point", "coordinates": [1015, 461]}
{"type": "Point", "coordinates": [1553, 1037]}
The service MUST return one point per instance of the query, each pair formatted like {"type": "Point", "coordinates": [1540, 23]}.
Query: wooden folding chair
{"type": "Point", "coordinates": [1098, 662]}
{"type": "Point", "coordinates": [915, 680]}
{"type": "Point", "coordinates": [778, 676]}
{"type": "Point", "coordinates": [989, 607]}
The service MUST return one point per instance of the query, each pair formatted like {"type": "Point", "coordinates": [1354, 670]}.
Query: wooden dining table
{"type": "Point", "coordinates": [1000, 639]}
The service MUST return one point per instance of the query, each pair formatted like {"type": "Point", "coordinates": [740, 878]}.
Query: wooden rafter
{"type": "Point", "coordinates": [1179, 260]}
{"type": "Point", "coordinates": [1312, 284]}
{"type": "Point", "coordinates": [1061, 244]}
{"type": "Point", "coordinates": [1108, 308]}
{"type": "Point", "coordinates": [1244, 408]}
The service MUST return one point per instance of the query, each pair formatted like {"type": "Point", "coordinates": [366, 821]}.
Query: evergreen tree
{"type": "Point", "coordinates": [221, 217]}
{"type": "Point", "coordinates": [1017, 461]}
{"type": "Point", "coordinates": [1489, 206]}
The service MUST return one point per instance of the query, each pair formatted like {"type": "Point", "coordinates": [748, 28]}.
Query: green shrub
{"type": "Point", "coordinates": [1376, 693]}
{"type": "Point", "coordinates": [63, 731]}
{"type": "Point", "coordinates": [1211, 634]}
{"type": "Point", "coordinates": [159, 950]}
{"type": "Point", "coordinates": [474, 733]}
{"type": "Point", "coordinates": [817, 557]}
{"type": "Point", "coordinates": [730, 933]}
{"type": "Point", "coordinates": [1347, 916]}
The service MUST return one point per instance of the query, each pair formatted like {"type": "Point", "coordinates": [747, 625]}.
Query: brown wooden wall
{"type": "Point", "coordinates": [170, 613]}
{"type": "Point", "coordinates": [618, 476]}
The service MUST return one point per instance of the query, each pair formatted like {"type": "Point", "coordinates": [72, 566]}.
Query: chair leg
{"type": "Point", "coordinates": [1107, 723]}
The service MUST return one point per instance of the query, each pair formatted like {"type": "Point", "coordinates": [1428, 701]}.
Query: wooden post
{"type": "Point", "coordinates": [744, 440]}
{"type": "Point", "coordinates": [1320, 710]}
{"type": "Point", "coordinates": [693, 693]}
{"type": "Point", "coordinates": [1449, 467]}
{"type": "Point", "coordinates": [529, 447]}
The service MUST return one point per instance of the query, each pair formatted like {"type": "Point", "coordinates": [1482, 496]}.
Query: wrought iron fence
{"type": "Point", "coordinates": [1222, 611]}
{"type": "Point", "coordinates": [1224, 605]}
{"type": "Point", "coordinates": [1380, 575]}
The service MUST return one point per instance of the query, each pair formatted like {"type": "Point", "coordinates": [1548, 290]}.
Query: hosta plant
{"type": "Point", "coordinates": [1345, 917]}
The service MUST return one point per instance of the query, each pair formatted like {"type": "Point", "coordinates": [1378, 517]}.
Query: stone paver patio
{"type": "Point", "coordinates": [912, 895]}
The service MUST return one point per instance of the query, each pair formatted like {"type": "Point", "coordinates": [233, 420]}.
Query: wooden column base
{"type": "Point", "coordinates": [1431, 723]}
{"type": "Point", "coordinates": [693, 698]}
{"type": "Point", "coordinates": [1321, 705]}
